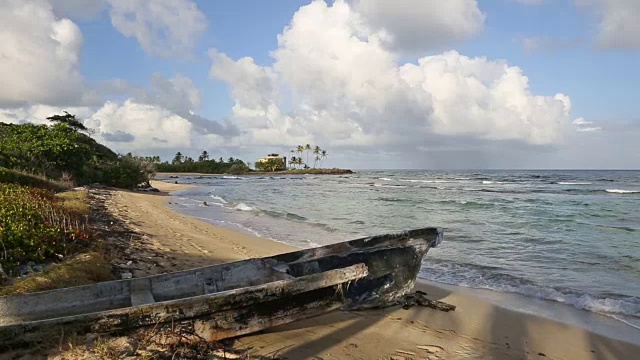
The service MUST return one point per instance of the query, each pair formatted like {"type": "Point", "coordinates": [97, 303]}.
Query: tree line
{"type": "Point", "coordinates": [203, 164]}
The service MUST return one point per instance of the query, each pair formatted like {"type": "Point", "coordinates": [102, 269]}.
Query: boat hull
{"type": "Point", "coordinates": [228, 300]}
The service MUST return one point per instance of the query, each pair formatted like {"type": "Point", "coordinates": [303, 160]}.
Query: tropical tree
{"type": "Point", "coordinates": [177, 159]}
{"type": "Point", "coordinates": [68, 119]}
{"type": "Point", "coordinates": [271, 164]}
{"type": "Point", "coordinates": [308, 149]}
{"type": "Point", "coordinates": [316, 153]}
{"type": "Point", "coordinates": [323, 155]}
{"type": "Point", "coordinates": [204, 156]}
{"type": "Point", "coordinates": [293, 160]}
{"type": "Point", "coordinates": [300, 149]}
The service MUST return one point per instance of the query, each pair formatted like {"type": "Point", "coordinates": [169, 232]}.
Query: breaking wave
{"type": "Point", "coordinates": [620, 191]}
{"type": "Point", "coordinates": [493, 278]}
{"type": "Point", "coordinates": [244, 207]}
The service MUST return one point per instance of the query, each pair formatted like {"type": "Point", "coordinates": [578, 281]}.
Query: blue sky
{"type": "Point", "coordinates": [177, 60]}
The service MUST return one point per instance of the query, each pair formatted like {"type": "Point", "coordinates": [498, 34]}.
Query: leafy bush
{"type": "Point", "coordinates": [36, 226]}
{"type": "Point", "coordinates": [238, 169]}
{"type": "Point", "coordinates": [52, 151]}
{"type": "Point", "coordinates": [127, 172]}
{"type": "Point", "coordinates": [271, 164]}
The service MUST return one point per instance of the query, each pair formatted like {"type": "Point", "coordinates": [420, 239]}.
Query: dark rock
{"type": "Point", "coordinates": [37, 268]}
{"type": "Point", "coordinates": [541, 354]}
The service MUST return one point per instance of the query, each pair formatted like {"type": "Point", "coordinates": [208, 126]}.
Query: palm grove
{"type": "Point", "coordinates": [319, 155]}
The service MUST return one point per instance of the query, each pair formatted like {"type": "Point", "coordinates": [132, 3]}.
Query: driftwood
{"type": "Point", "coordinates": [419, 298]}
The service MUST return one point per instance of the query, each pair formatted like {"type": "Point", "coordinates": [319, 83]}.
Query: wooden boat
{"type": "Point", "coordinates": [227, 300]}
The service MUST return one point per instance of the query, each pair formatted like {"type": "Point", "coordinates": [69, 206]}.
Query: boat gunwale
{"type": "Point", "coordinates": [421, 233]}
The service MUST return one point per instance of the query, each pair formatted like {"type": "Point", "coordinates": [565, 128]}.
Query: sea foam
{"type": "Point", "coordinates": [244, 207]}
{"type": "Point", "coordinates": [620, 191]}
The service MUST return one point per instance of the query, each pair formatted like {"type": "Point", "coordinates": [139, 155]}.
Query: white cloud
{"type": "Point", "coordinates": [151, 126]}
{"type": "Point", "coordinates": [38, 114]}
{"type": "Point", "coordinates": [581, 121]}
{"type": "Point", "coordinates": [347, 89]}
{"type": "Point", "coordinates": [619, 22]}
{"type": "Point", "coordinates": [589, 129]}
{"type": "Point", "coordinates": [39, 55]}
{"type": "Point", "coordinates": [168, 28]}
{"type": "Point", "coordinates": [418, 25]}
{"type": "Point", "coordinates": [582, 125]}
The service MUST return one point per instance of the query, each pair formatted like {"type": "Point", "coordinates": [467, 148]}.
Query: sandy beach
{"type": "Point", "coordinates": [476, 330]}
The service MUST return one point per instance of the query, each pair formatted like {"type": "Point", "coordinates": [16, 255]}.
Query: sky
{"type": "Point", "coordinates": [410, 84]}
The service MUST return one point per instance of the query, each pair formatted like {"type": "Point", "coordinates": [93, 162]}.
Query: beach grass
{"type": "Point", "coordinates": [23, 178]}
{"type": "Point", "coordinates": [82, 269]}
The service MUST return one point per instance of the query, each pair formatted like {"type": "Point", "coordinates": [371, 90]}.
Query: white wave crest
{"type": "Point", "coordinates": [385, 179]}
{"type": "Point", "coordinates": [620, 191]}
{"type": "Point", "coordinates": [231, 177]}
{"type": "Point", "coordinates": [244, 207]}
{"type": "Point", "coordinates": [389, 186]}
{"type": "Point", "coordinates": [219, 199]}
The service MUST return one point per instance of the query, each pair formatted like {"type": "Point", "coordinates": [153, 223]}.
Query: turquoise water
{"type": "Point", "coordinates": [566, 236]}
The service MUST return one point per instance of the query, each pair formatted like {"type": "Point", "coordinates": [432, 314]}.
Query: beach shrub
{"type": "Point", "coordinates": [127, 172]}
{"type": "Point", "coordinates": [238, 169]}
{"type": "Point", "coordinates": [35, 225]}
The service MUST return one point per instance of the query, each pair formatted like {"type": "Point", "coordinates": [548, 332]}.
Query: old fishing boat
{"type": "Point", "coordinates": [227, 300]}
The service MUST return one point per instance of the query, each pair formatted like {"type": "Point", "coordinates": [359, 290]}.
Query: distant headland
{"type": "Point", "coordinates": [298, 163]}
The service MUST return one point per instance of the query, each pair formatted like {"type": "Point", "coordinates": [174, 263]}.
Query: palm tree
{"type": "Point", "coordinates": [300, 149]}
{"type": "Point", "coordinates": [292, 160]}
{"type": "Point", "coordinates": [323, 155]}
{"type": "Point", "coordinates": [177, 159]}
{"type": "Point", "coordinates": [316, 152]}
{"type": "Point", "coordinates": [299, 161]}
{"type": "Point", "coordinates": [308, 148]}
{"type": "Point", "coordinates": [204, 156]}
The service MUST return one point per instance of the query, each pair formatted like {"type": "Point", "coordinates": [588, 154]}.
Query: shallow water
{"type": "Point", "coordinates": [567, 236]}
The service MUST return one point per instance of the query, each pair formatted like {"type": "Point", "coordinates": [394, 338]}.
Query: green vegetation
{"type": "Point", "coordinates": [38, 221]}
{"type": "Point", "coordinates": [64, 150]}
{"type": "Point", "coordinates": [319, 155]}
{"type": "Point", "coordinates": [181, 163]}
{"type": "Point", "coordinates": [35, 225]}
{"type": "Point", "coordinates": [271, 164]}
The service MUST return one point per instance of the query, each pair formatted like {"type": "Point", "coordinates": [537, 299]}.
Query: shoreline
{"type": "Point", "coordinates": [476, 327]}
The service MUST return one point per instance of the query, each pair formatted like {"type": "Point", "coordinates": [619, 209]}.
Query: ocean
{"type": "Point", "coordinates": [571, 237]}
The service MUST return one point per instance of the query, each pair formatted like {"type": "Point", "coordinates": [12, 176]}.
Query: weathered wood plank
{"type": "Point", "coordinates": [195, 282]}
{"type": "Point", "coordinates": [238, 302]}
{"type": "Point", "coordinates": [141, 292]}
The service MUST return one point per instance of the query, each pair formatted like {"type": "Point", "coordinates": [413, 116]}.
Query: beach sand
{"type": "Point", "coordinates": [476, 330]}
